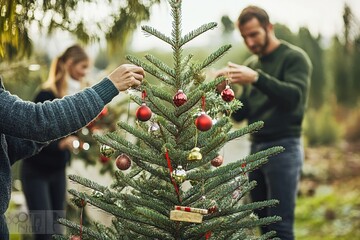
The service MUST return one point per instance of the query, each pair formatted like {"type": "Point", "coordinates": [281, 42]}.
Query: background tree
{"type": "Point", "coordinates": [312, 47]}
{"type": "Point", "coordinates": [18, 16]}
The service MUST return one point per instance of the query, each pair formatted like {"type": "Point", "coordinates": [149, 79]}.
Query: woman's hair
{"type": "Point", "coordinates": [251, 12]}
{"type": "Point", "coordinates": [56, 81]}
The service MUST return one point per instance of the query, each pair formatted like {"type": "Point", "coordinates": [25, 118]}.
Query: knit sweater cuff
{"type": "Point", "coordinates": [106, 90]}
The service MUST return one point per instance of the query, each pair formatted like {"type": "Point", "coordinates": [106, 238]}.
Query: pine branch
{"type": "Point", "coordinates": [218, 179]}
{"type": "Point", "coordinates": [194, 33]}
{"type": "Point", "coordinates": [147, 201]}
{"type": "Point", "coordinates": [243, 208]}
{"type": "Point", "coordinates": [200, 174]}
{"type": "Point", "coordinates": [161, 65]}
{"type": "Point", "coordinates": [161, 220]}
{"type": "Point", "coordinates": [162, 94]}
{"type": "Point", "coordinates": [201, 229]}
{"type": "Point", "coordinates": [158, 172]}
{"type": "Point", "coordinates": [123, 232]}
{"type": "Point", "coordinates": [152, 31]}
{"type": "Point", "coordinates": [185, 61]}
{"type": "Point", "coordinates": [176, 39]}
{"type": "Point", "coordinates": [87, 183]}
{"type": "Point", "coordinates": [87, 233]}
{"type": "Point", "coordinates": [59, 237]}
{"type": "Point", "coordinates": [167, 136]}
{"type": "Point", "coordinates": [167, 125]}
{"type": "Point", "coordinates": [159, 108]}
{"type": "Point", "coordinates": [168, 197]}
{"type": "Point", "coordinates": [149, 232]}
{"type": "Point", "coordinates": [213, 57]}
{"type": "Point", "coordinates": [145, 136]}
{"type": "Point", "coordinates": [207, 87]}
{"type": "Point", "coordinates": [251, 128]}
{"type": "Point", "coordinates": [269, 235]}
{"type": "Point", "coordinates": [151, 70]}
{"type": "Point", "coordinates": [135, 152]}
{"type": "Point", "coordinates": [119, 186]}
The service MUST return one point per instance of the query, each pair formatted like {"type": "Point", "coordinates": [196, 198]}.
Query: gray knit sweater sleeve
{"type": "Point", "coordinates": [50, 120]}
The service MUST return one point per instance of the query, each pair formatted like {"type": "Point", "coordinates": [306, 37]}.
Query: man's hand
{"type": "Point", "coordinates": [241, 74]}
{"type": "Point", "coordinates": [127, 76]}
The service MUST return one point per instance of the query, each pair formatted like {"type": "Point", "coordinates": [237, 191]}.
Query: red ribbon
{"type": "Point", "coordinates": [81, 220]}
{"type": "Point", "coordinates": [203, 103]}
{"type": "Point", "coordinates": [171, 170]}
{"type": "Point", "coordinates": [143, 95]}
{"type": "Point", "coordinates": [208, 235]}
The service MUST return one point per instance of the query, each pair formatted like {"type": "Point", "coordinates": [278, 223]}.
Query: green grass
{"type": "Point", "coordinates": [328, 215]}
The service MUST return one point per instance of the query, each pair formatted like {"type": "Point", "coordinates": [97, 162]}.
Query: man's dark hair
{"type": "Point", "coordinates": [251, 12]}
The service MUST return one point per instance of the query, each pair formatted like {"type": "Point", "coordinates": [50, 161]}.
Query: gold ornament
{"type": "Point", "coordinates": [106, 150]}
{"type": "Point", "coordinates": [195, 154]}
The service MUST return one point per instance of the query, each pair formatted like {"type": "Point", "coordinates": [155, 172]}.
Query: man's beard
{"type": "Point", "coordinates": [265, 46]}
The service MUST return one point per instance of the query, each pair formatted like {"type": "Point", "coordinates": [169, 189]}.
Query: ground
{"type": "Point", "coordinates": [328, 206]}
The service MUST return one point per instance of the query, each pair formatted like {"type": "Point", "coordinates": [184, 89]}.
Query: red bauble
{"type": "Point", "coordinates": [104, 112]}
{"type": "Point", "coordinates": [123, 162]}
{"type": "Point", "coordinates": [218, 161]}
{"type": "Point", "coordinates": [104, 159]}
{"type": "Point", "coordinates": [143, 113]}
{"type": "Point", "coordinates": [212, 209]}
{"type": "Point", "coordinates": [227, 94]}
{"type": "Point", "coordinates": [179, 98]}
{"type": "Point", "coordinates": [203, 122]}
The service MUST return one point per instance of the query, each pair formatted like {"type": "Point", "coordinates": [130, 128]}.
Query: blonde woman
{"type": "Point", "coordinates": [43, 175]}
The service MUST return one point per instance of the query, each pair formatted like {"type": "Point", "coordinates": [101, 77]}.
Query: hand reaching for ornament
{"type": "Point", "coordinates": [241, 74]}
{"type": "Point", "coordinates": [127, 76]}
{"type": "Point", "coordinates": [236, 73]}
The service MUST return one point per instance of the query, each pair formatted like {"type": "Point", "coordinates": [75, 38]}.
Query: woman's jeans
{"type": "Point", "coordinates": [278, 179]}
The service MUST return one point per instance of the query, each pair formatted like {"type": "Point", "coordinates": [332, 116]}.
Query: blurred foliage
{"type": "Point", "coordinates": [352, 127]}
{"type": "Point", "coordinates": [328, 216]}
{"type": "Point", "coordinates": [320, 127]}
{"type": "Point", "coordinates": [17, 17]}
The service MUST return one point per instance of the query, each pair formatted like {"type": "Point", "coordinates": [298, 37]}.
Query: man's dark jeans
{"type": "Point", "coordinates": [278, 179]}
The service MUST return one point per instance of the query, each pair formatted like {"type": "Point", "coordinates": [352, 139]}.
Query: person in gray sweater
{"type": "Point", "coordinates": [25, 127]}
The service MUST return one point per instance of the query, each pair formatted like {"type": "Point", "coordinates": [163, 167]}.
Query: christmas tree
{"type": "Point", "coordinates": [182, 125]}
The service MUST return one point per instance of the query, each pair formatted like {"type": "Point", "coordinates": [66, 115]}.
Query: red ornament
{"type": "Point", "coordinates": [123, 162]}
{"type": "Point", "coordinates": [74, 237]}
{"type": "Point", "coordinates": [218, 161]}
{"type": "Point", "coordinates": [104, 159]}
{"type": "Point", "coordinates": [143, 113]}
{"type": "Point", "coordinates": [203, 122]}
{"type": "Point", "coordinates": [179, 98]}
{"type": "Point", "coordinates": [104, 112]}
{"type": "Point", "coordinates": [212, 209]}
{"type": "Point", "coordinates": [227, 94]}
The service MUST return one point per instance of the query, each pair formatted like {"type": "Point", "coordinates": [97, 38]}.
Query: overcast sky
{"type": "Point", "coordinates": [320, 16]}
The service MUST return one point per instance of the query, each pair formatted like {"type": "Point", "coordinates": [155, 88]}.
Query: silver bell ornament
{"type": "Point", "coordinates": [179, 174]}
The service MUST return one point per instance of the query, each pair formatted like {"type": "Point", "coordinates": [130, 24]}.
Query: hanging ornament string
{"type": "Point", "coordinates": [171, 170]}
{"type": "Point", "coordinates": [143, 95]}
{"type": "Point", "coordinates": [81, 217]}
{"type": "Point", "coordinates": [203, 103]}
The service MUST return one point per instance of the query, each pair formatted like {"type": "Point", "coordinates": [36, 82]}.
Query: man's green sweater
{"type": "Point", "coordinates": [279, 95]}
